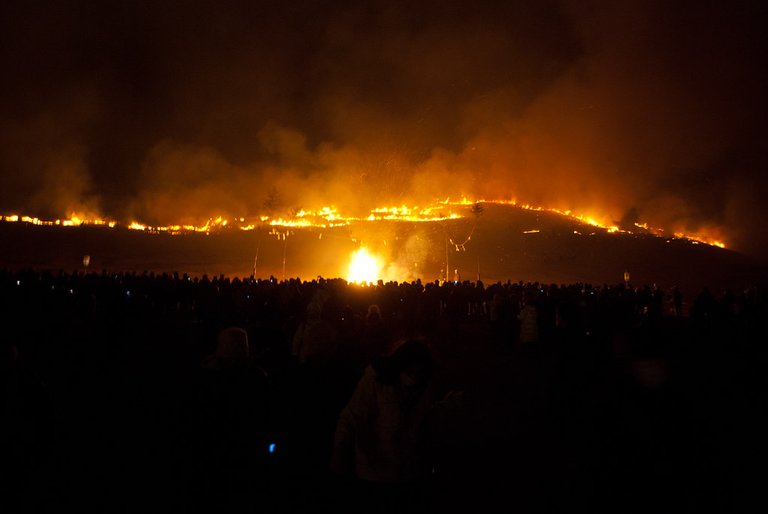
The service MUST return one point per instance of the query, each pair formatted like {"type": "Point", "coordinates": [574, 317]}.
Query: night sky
{"type": "Point", "coordinates": [176, 111]}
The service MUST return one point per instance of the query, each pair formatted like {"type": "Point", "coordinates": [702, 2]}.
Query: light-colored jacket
{"type": "Point", "coordinates": [385, 440]}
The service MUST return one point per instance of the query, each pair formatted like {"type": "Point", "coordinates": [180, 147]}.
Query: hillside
{"type": "Point", "coordinates": [506, 243]}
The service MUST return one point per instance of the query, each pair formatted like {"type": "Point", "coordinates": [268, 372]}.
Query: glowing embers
{"type": "Point", "coordinates": [696, 239]}
{"type": "Point", "coordinates": [74, 220]}
{"type": "Point", "coordinates": [326, 217]}
{"type": "Point", "coordinates": [416, 214]}
{"type": "Point", "coordinates": [364, 268]}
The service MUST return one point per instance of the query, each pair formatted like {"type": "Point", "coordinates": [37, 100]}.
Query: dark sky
{"type": "Point", "coordinates": [175, 111]}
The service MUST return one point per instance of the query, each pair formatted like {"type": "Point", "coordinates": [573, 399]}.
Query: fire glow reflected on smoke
{"type": "Point", "coordinates": [364, 267]}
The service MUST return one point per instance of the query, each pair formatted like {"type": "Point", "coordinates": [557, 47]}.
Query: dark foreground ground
{"type": "Point", "coordinates": [106, 408]}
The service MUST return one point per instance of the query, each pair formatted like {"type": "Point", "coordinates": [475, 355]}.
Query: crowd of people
{"type": "Point", "coordinates": [140, 392]}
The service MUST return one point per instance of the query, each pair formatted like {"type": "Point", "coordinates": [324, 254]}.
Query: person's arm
{"type": "Point", "coordinates": [355, 415]}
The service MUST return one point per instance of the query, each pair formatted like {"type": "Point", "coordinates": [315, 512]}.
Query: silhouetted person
{"type": "Point", "coordinates": [26, 435]}
{"type": "Point", "coordinates": [376, 335]}
{"type": "Point", "coordinates": [677, 301]}
{"type": "Point", "coordinates": [529, 320]}
{"type": "Point", "coordinates": [381, 436]}
{"type": "Point", "coordinates": [233, 426]}
{"type": "Point", "coordinates": [315, 337]}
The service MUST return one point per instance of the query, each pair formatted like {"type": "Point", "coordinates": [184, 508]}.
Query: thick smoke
{"type": "Point", "coordinates": [648, 111]}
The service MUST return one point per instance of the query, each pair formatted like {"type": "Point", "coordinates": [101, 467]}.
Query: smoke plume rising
{"type": "Point", "coordinates": [173, 113]}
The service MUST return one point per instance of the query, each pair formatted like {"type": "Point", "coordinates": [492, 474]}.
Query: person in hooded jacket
{"type": "Point", "coordinates": [382, 435]}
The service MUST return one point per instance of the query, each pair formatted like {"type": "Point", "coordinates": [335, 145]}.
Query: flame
{"type": "Point", "coordinates": [700, 239]}
{"type": "Point", "coordinates": [330, 216]}
{"type": "Point", "coordinates": [364, 268]}
{"type": "Point", "coordinates": [74, 220]}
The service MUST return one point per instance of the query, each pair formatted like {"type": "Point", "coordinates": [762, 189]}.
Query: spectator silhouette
{"type": "Point", "coordinates": [677, 301]}
{"type": "Point", "coordinates": [382, 433]}
{"type": "Point", "coordinates": [26, 434]}
{"type": "Point", "coordinates": [376, 335]}
{"type": "Point", "coordinates": [315, 337]}
{"type": "Point", "coordinates": [529, 320]}
{"type": "Point", "coordinates": [233, 426]}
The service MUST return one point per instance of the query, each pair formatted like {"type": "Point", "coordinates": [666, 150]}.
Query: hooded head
{"type": "Point", "coordinates": [231, 349]}
{"type": "Point", "coordinates": [409, 366]}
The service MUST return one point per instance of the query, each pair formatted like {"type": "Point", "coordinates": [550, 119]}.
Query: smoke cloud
{"type": "Point", "coordinates": [650, 111]}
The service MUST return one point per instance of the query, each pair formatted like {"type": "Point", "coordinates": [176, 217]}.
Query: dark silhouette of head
{"type": "Point", "coordinates": [409, 365]}
{"type": "Point", "coordinates": [232, 350]}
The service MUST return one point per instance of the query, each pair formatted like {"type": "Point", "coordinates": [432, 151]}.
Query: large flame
{"type": "Point", "coordinates": [364, 267]}
{"type": "Point", "coordinates": [328, 217]}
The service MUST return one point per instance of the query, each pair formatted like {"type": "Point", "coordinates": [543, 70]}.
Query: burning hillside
{"type": "Point", "coordinates": [329, 217]}
{"type": "Point", "coordinates": [460, 240]}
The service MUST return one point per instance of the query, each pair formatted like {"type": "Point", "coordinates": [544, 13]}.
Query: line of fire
{"type": "Point", "coordinates": [455, 221]}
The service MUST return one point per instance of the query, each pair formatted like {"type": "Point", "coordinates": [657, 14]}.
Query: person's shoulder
{"type": "Point", "coordinates": [369, 374]}
{"type": "Point", "coordinates": [370, 379]}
